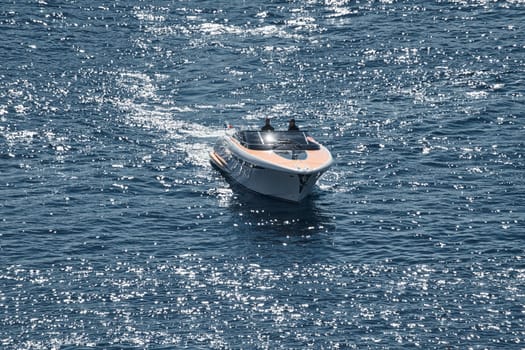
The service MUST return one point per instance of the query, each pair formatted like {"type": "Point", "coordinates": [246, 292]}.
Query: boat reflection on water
{"type": "Point", "coordinates": [265, 231]}
{"type": "Point", "coordinates": [262, 213]}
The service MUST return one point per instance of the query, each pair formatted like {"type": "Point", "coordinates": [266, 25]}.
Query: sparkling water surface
{"type": "Point", "coordinates": [115, 231]}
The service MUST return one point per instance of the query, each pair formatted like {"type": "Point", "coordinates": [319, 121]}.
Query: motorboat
{"type": "Point", "coordinates": [280, 164]}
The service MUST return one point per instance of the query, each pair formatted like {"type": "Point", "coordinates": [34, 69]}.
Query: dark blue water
{"type": "Point", "coordinates": [115, 232]}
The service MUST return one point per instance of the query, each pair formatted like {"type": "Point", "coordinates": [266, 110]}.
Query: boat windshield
{"type": "Point", "coordinates": [280, 140]}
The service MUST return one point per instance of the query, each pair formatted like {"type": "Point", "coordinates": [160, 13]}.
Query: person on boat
{"type": "Point", "coordinates": [267, 126]}
{"type": "Point", "coordinates": [292, 126]}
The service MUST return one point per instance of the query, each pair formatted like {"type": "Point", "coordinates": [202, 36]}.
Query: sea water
{"type": "Point", "coordinates": [115, 231]}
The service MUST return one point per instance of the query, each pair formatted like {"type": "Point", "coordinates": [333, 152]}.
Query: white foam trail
{"type": "Point", "coordinates": [155, 114]}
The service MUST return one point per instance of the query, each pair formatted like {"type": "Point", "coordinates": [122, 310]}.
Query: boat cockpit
{"type": "Point", "coordinates": [276, 140]}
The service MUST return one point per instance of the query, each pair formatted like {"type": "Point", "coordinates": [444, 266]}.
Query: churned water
{"type": "Point", "coordinates": [115, 232]}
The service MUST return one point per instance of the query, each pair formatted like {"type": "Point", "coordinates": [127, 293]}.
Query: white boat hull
{"type": "Point", "coordinates": [287, 186]}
